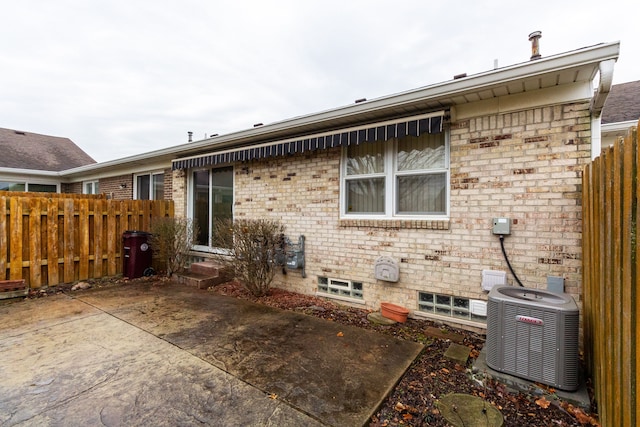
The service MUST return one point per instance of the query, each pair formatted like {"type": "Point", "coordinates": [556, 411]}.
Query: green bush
{"type": "Point", "coordinates": [252, 245]}
{"type": "Point", "coordinates": [171, 239]}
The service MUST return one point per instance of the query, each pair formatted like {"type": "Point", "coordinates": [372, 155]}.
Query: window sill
{"type": "Point", "coordinates": [449, 319]}
{"type": "Point", "coordinates": [339, 298]}
{"type": "Point", "coordinates": [423, 224]}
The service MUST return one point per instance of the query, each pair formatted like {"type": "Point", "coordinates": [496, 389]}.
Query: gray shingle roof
{"type": "Point", "coordinates": [623, 103]}
{"type": "Point", "coordinates": [25, 150]}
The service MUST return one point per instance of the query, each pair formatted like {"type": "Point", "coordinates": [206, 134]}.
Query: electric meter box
{"type": "Point", "coordinates": [501, 226]}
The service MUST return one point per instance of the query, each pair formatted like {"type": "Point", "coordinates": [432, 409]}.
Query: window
{"type": "Point", "coordinates": [149, 186]}
{"type": "Point", "coordinates": [90, 187]}
{"type": "Point", "coordinates": [12, 186]}
{"type": "Point", "coordinates": [211, 200]}
{"type": "Point", "coordinates": [340, 288]}
{"type": "Point", "coordinates": [406, 176]}
{"type": "Point", "coordinates": [447, 305]}
{"type": "Point", "coordinates": [26, 186]}
{"type": "Point", "coordinates": [42, 188]}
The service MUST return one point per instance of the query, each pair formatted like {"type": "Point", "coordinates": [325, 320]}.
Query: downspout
{"type": "Point", "coordinates": [597, 104]}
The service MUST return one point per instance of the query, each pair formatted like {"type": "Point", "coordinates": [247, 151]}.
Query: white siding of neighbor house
{"type": "Point", "coordinates": [525, 165]}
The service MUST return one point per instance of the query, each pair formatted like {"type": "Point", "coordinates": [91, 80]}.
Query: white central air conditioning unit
{"type": "Point", "coordinates": [533, 334]}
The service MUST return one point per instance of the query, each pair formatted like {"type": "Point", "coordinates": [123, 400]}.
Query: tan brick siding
{"type": "Point", "coordinates": [168, 184]}
{"type": "Point", "coordinates": [71, 188]}
{"type": "Point", "coordinates": [179, 192]}
{"type": "Point", "coordinates": [111, 187]}
{"type": "Point", "coordinates": [524, 165]}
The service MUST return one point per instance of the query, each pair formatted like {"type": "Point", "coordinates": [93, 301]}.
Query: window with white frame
{"type": "Point", "coordinates": [149, 186]}
{"type": "Point", "coordinates": [90, 187]}
{"type": "Point", "coordinates": [407, 176]}
{"type": "Point", "coordinates": [448, 305]}
{"type": "Point", "coordinates": [28, 186]}
{"type": "Point", "coordinates": [340, 288]}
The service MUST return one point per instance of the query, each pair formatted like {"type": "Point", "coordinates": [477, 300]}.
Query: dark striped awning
{"type": "Point", "coordinates": [380, 132]}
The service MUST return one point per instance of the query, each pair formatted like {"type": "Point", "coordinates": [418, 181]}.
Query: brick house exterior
{"type": "Point", "coordinates": [508, 143]}
{"type": "Point", "coordinates": [524, 165]}
{"type": "Point", "coordinates": [516, 149]}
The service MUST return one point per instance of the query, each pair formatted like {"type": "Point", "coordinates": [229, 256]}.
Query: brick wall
{"type": "Point", "coordinates": [112, 187]}
{"type": "Point", "coordinates": [168, 184]}
{"type": "Point", "coordinates": [71, 188]}
{"type": "Point", "coordinates": [179, 192]}
{"type": "Point", "coordinates": [524, 165]}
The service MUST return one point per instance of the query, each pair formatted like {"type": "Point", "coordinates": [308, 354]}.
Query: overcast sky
{"type": "Point", "coordinates": [124, 77]}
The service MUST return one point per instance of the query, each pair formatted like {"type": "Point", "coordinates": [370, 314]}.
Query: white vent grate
{"type": "Point", "coordinates": [491, 278]}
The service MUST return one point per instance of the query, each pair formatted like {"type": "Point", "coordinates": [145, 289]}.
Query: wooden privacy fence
{"type": "Point", "coordinates": [51, 240]}
{"type": "Point", "coordinates": [52, 195]}
{"type": "Point", "coordinates": [610, 280]}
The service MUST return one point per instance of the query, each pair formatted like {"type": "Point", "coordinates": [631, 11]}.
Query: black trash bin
{"type": "Point", "coordinates": [136, 254]}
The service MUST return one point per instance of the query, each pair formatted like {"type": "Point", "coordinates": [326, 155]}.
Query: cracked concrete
{"type": "Point", "coordinates": [144, 354]}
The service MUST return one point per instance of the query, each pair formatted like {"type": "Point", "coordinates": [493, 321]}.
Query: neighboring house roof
{"type": "Point", "coordinates": [623, 103]}
{"type": "Point", "coordinates": [26, 150]}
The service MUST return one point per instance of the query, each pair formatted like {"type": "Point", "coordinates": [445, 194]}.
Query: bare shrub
{"type": "Point", "coordinates": [252, 245]}
{"type": "Point", "coordinates": [171, 239]}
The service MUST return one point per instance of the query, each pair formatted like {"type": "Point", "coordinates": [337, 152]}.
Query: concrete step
{"type": "Point", "coordinates": [196, 280]}
{"type": "Point", "coordinates": [13, 289]}
{"type": "Point", "coordinates": [203, 275]}
{"type": "Point", "coordinates": [207, 268]}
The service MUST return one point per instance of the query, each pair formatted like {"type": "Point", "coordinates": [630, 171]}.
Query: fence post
{"type": "Point", "coordinates": [53, 247]}
{"type": "Point", "coordinates": [35, 243]}
{"type": "Point", "coordinates": [3, 238]}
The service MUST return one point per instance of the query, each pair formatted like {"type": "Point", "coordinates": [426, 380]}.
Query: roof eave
{"type": "Point", "coordinates": [29, 172]}
{"type": "Point", "coordinates": [618, 126]}
{"type": "Point", "coordinates": [586, 57]}
{"type": "Point", "coordinates": [590, 56]}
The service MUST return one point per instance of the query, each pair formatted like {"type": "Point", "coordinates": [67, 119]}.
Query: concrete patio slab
{"type": "Point", "coordinates": [162, 354]}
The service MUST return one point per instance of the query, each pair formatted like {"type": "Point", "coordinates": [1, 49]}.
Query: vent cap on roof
{"type": "Point", "coordinates": [534, 38]}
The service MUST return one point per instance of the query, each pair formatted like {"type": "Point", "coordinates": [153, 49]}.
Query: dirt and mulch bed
{"type": "Point", "coordinates": [414, 401]}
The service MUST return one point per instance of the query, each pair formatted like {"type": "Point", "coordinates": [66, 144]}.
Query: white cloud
{"type": "Point", "coordinates": [124, 77]}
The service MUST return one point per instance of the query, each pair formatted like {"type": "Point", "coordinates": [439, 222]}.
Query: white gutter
{"type": "Point", "coordinates": [169, 153]}
{"type": "Point", "coordinates": [596, 137]}
{"type": "Point", "coordinates": [619, 126]}
{"type": "Point", "coordinates": [29, 172]}
{"type": "Point", "coordinates": [604, 87]}
{"type": "Point", "coordinates": [597, 104]}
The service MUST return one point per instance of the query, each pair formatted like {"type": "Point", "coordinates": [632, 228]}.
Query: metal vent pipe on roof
{"type": "Point", "coordinates": [534, 38]}
{"type": "Point", "coordinates": [190, 136]}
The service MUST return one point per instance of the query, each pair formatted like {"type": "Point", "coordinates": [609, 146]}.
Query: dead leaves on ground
{"type": "Point", "coordinates": [543, 402]}
{"type": "Point", "coordinates": [407, 411]}
{"type": "Point", "coordinates": [579, 415]}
